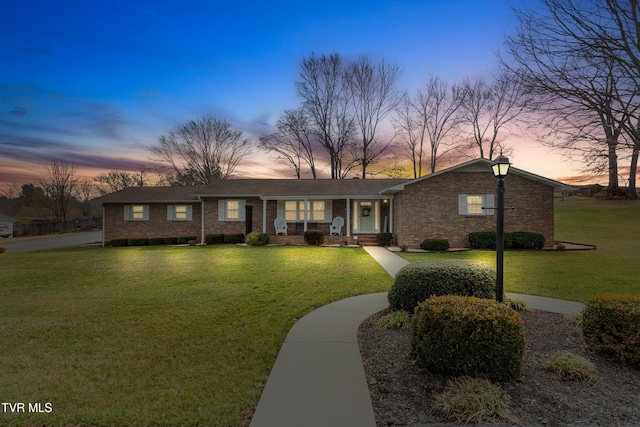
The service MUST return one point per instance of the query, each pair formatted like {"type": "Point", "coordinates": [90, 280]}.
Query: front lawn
{"type": "Point", "coordinates": [613, 226]}
{"type": "Point", "coordinates": [158, 335]}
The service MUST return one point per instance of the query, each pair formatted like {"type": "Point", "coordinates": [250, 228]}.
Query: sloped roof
{"type": "Point", "coordinates": [265, 188]}
{"type": "Point", "coordinates": [481, 165]}
{"type": "Point", "coordinates": [150, 195]}
{"type": "Point", "coordinates": [6, 218]}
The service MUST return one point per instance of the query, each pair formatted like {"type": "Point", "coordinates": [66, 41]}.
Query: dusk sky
{"type": "Point", "coordinates": [94, 83]}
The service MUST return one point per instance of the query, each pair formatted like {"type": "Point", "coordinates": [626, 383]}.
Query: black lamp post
{"type": "Point", "coordinates": [500, 168]}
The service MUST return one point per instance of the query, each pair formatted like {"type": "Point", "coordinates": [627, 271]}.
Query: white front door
{"type": "Point", "coordinates": [366, 216]}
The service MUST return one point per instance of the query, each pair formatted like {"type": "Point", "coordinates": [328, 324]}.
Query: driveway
{"type": "Point", "coordinates": [36, 243]}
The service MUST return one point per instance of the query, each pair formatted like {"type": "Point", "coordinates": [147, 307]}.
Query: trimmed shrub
{"type": "Point", "coordinates": [526, 240]}
{"type": "Point", "coordinates": [487, 240]}
{"type": "Point", "coordinates": [611, 326]}
{"type": "Point", "coordinates": [212, 239]}
{"type": "Point", "coordinates": [118, 242]}
{"type": "Point", "coordinates": [233, 238]}
{"type": "Point", "coordinates": [170, 240]}
{"type": "Point", "coordinates": [257, 239]}
{"type": "Point", "coordinates": [418, 281]}
{"type": "Point", "coordinates": [384, 239]}
{"type": "Point", "coordinates": [138, 242]}
{"type": "Point", "coordinates": [435, 245]}
{"type": "Point", "coordinates": [184, 240]}
{"type": "Point", "coordinates": [156, 241]}
{"type": "Point", "coordinates": [313, 237]}
{"type": "Point", "coordinates": [457, 335]}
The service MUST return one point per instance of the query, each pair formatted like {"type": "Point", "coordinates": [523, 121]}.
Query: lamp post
{"type": "Point", "coordinates": [500, 168]}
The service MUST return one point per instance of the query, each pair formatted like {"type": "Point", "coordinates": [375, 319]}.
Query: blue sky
{"type": "Point", "coordinates": [96, 82]}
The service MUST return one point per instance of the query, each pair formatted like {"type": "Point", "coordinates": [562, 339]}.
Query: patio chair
{"type": "Point", "coordinates": [281, 226]}
{"type": "Point", "coordinates": [336, 226]}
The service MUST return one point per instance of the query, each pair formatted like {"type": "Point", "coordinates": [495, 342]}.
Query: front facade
{"type": "Point", "coordinates": [446, 205]}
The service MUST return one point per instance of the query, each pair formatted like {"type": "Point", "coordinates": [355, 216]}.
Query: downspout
{"type": "Point", "coordinates": [202, 242]}
{"type": "Point", "coordinates": [104, 223]}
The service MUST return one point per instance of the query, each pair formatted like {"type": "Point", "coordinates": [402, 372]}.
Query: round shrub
{"type": "Point", "coordinates": [2, 250]}
{"type": "Point", "coordinates": [435, 245]}
{"type": "Point", "coordinates": [457, 335]}
{"type": "Point", "coordinates": [611, 326]}
{"type": "Point", "coordinates": [418, 281]}
{"type": "Point", "coordinates": [257, 239]}
{"type": "Point", "coordinates": [384, 239]}
{"type": "Point", "coordinates": [313, 237]}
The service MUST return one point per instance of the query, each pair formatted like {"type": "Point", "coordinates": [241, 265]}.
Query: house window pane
{"type": "Point", "coordinates": [318, 210]}
{"type": "Point", "coordinates": [137, 212]}
{"type": "Point", "coordinates": [291, 210]}
{"type": "Point", "coordinates": [233, 209]}
{"type": "Point", "coordinates": [181, 212]}
{"type": "Point", "coordinates": [474, 204]}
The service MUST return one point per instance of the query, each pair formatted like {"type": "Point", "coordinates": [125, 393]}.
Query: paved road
{"type": "Point", "coordinates": [25, 244]}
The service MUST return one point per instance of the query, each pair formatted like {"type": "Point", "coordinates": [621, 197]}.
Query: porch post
{"type": "Point", "coordinates": [264, 215]}
{"type": "Point", "coordinates": [348, 217]}
{"type": "Point", "coordinates": [390, 215]}
{"type": "Point", "coordinates": [305, 215]}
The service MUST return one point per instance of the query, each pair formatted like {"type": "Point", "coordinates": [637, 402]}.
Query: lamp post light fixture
{"type": "Point", "coordinates": [500, 168]}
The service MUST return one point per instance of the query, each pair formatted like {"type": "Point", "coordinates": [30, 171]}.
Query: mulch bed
{"type": "Point", "coordinates": [402, 392]}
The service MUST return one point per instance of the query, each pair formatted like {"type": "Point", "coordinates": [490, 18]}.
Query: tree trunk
{"type": "Point", "coordinates": [633, 170]}
{"type": "Point", "coordinates": [614, 188]}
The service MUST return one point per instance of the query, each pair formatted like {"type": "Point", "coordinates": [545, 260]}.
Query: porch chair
{"type": "Point", "coordinates": [281, 226]}
{"type": "Point", "coordinates": [336, 226]}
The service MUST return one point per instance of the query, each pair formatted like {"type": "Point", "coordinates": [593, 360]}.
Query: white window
{"type": "Point", "coordinates": [179, 213]}
{"type": "Point", "coordinates": [136, 213]}
{"type": "Point", "coordinates": [294, 210]}
{"type": "Point", "coordinates": [231, 210]}
{"type": "Point", "coordinates": [476, 204]}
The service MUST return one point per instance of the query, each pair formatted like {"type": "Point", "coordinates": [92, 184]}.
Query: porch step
{"type": "Point", "coordinates": [367, 240]}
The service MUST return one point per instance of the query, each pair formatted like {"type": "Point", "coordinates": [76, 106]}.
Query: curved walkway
{"type": "Point", "coordinates": [318, 378]}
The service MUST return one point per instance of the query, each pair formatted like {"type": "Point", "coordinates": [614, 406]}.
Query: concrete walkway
{"type": "Point", "coordinates": [318, 378]}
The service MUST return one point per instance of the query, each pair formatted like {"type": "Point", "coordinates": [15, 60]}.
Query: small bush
{"type": "Point", "coordinates": [2, 250]}
{"type": "Point", "coordinates": [516, 305]}
{"type": "Point", "coordinates": [435, 245]}
{"type": "Point", "coordinates": [418, 281]}
{"type": "Point", "coordinates": [118, 242]}
{"type": "Point", "coordinates": [468, 336]}
{"type": "Point", "coordinates": [394, 320]}
{"type": "Point", "coordinates": [482, 240]}
{"type": "Point", "coordinates": [138, 242]}
{"type": "Point", "coordinates": [570, 366]}
{"type": "Point", "coordinates": [212, 239]}
{"type": "Point", "coordinates": [474, 400]}
{"type": "Point", "coordinates": [184, 240]}
{"type": "Point", "coordinates": [611, 326]}
{"type": "Point", "coordinates": [257, 239]}
{"type": "Point", "coordinates": [526, 240]}
{"type": "Point", "coordinates": [156, 241]}
{"type": "Point", "coordinates": [384, 239]}
{"type": "Point", "coordinates": [170, 240]}
{"type": "Point", "coordinates": [313, 237]}
{"type": "Point", "coordinates": [233, 238]}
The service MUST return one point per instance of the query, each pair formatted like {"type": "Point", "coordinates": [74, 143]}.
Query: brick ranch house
{"type": "Point", "coordinates": [448, 204]}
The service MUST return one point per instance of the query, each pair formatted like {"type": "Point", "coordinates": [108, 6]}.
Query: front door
{"type": "Point", "coordinates": [366, 216]}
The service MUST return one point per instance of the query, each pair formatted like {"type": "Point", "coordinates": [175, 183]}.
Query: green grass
{"type": "Point", "coordinates": [613, 226]}
{"type": "Point", "coordinates": [159, 335]}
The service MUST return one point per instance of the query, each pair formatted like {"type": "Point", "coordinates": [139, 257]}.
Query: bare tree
{"type": "Point", "coordinates": [113, 181]}
{"type": "Point", "coordinates": [488, 108]}
{"type": "Point", "coordinates": [201, 151]}
{"type": "Point", "coordinates": [293, 141]}
{"type": "Point", "coordinates": [372, 92]}
{"type": "Point", "coordinates": [322, 88]}
{"type": "Point", "coordinates": [428, 119]}
{"type": "Point", "coordinates": [60, 187]}
{"type": "Point", "coordinates": [567, 56]}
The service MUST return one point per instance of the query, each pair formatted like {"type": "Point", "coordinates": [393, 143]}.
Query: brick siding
{"type": "Point", "coordinates": [429, 208]}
